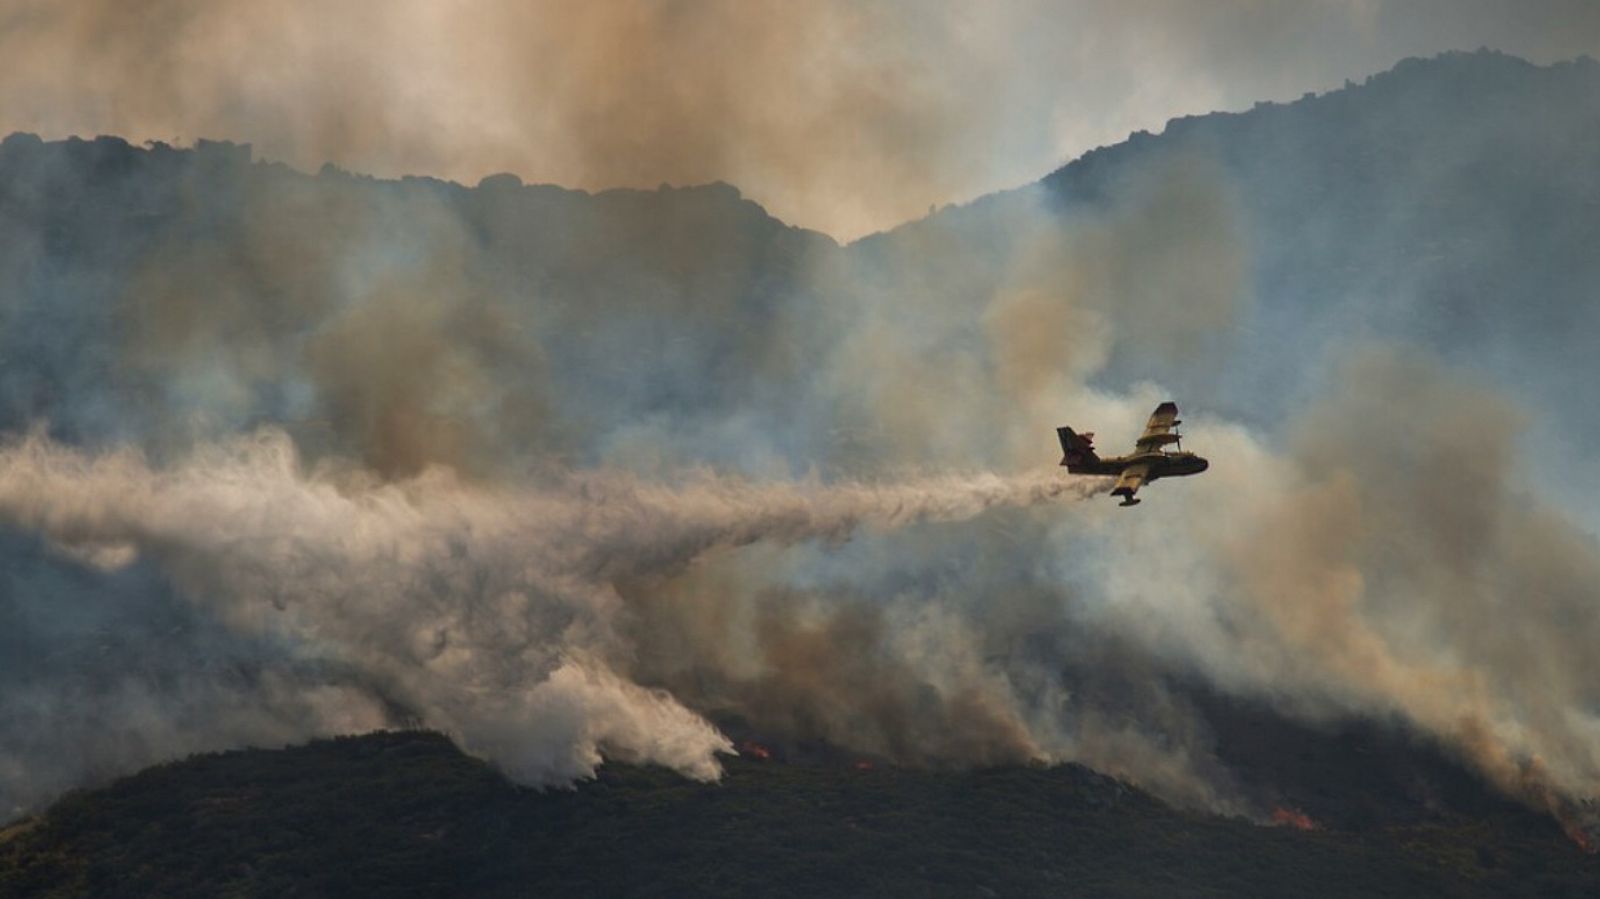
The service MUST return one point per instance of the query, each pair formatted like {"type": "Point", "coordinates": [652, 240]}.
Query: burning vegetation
{"type": "Point", "coordinates": [1289, 817]}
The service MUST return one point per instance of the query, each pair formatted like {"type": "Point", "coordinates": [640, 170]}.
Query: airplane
{"type": "Point", "coordinates": [1148, 462]}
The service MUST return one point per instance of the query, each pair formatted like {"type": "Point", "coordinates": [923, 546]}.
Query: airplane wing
{"type": "Point", "coordinates": [1129, 482]}
{"type": "Point", "coordinates": [1158, 430]}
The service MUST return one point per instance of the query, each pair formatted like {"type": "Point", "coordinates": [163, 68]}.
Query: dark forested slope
{"type": "Point", "coordinates": [407, 814]}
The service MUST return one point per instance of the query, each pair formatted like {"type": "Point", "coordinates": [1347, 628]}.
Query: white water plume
{"type": "Point", "coordinates": [487, 612]}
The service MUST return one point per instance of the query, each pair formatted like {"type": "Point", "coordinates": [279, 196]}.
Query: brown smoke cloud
{"type": "Point", "coordinates": [1416, 570]}
{"type": "Point", "coordinates": [845, 116]}
{"type": "Point", "coordinates": [1393, 563]}
{"type": "Point", "coordinates": [585, 95]}
{"type": "Point", "coordinates": [932, 677]}
{"type": "Point", "coordinates": [901, 680]}
{"type": "Point", "coordinates": [397, 328]}
{"type": "Point", "coordinates": [952, 352]}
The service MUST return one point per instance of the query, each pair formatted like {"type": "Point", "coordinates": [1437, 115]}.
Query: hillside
{"type": "Point", "coordinates": [406, 814]}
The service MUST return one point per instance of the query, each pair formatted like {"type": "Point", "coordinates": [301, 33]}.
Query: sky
{"type": "Point", "coordinates": [846, 117]}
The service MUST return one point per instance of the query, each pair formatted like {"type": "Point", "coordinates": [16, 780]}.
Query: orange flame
{"type": "Point", "coordinates": [755, 750]}
{"type": "Point", "coordinates": [1578, 835]}
{"type": "Point", "coordinates": [1289, 817]}
{"type": "Point", "coordinates": [862, 765]}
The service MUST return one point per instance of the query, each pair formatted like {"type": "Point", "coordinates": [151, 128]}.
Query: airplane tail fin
{"type": "Point", "coordinates": [1076, 449]}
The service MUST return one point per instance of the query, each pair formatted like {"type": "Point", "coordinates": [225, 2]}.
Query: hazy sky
{"type": "Point", "coordinates": [840, 115]}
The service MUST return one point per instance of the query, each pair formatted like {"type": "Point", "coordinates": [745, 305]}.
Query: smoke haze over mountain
{"type": "Point", "coordinates": [576, 476]}
{"type": "Point", "coordinates": [842, 116]}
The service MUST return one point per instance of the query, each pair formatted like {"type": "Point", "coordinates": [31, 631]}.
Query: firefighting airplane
{"type": "Point", "coordinates": [1148, 462]}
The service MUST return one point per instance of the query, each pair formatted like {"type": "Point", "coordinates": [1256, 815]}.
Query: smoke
{"type": "Point", "coordinates": [1393, 564]}
{"type": "Point", "coordinates": [1430, 579]}
{"type": "Point", "coordinates": [623, 94]}
{"type": "Point", "coordinates": [843, 116]}
{"type": "Point", "coordinates": [551, 601]}
{"type": "Point", "coordinates": [491, 614]}
{"type": "Point", "coordinates": [579, 477]}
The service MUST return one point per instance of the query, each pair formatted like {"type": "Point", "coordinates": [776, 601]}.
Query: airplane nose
{"type": "Point", "coordinates": [1203, 464]}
